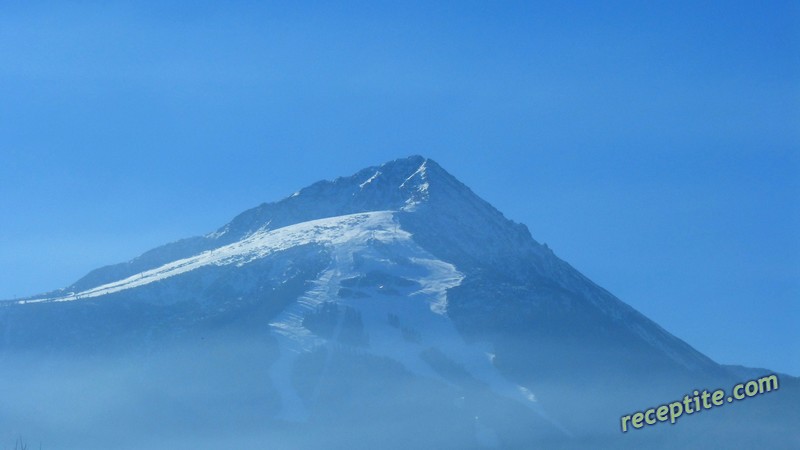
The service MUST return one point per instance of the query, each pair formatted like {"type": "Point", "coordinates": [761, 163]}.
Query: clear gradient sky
{"type": "Point", "coordinates": [653, 145]}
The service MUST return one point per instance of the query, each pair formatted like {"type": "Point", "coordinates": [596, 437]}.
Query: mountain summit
{"type": "Point", "coordinates": [392, 307]}
{"type": "Point", "coordinates": [413, 184]}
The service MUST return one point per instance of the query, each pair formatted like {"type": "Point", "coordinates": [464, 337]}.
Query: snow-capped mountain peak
{"type": "Point", "coordinates": [397, 286]}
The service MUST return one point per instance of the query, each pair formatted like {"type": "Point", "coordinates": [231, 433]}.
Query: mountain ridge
{"type": "Point", "coordinates": [289, 210]}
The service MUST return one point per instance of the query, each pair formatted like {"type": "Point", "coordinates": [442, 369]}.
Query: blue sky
{"type": "Point", "coordinates": [653, 145]}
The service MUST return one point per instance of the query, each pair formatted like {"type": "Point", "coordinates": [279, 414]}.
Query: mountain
{"type": "Point", "coordinates": [391, 308]}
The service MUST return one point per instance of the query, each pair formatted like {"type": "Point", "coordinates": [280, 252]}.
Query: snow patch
{"type": "Point", "coordinates": [370, 180]}
{"type": "Point", "coordinates": [420, 171]}
{"type": "Point", "coordinates": [257, 245]}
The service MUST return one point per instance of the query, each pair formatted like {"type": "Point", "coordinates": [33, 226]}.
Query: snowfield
{"type": "Point", "coordinates": [361, 243]}
{"type": "Point", "coordinates": [258, 245]}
